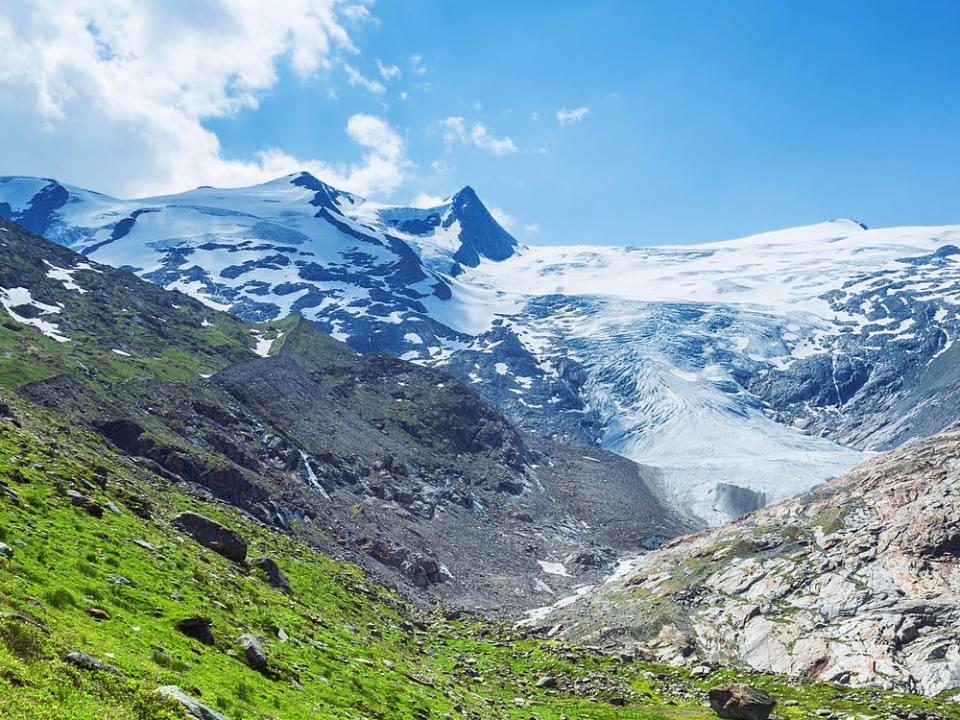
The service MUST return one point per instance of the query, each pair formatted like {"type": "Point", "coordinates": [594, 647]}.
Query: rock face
{"type": "Point", "coordinates": [741, 702]}
{"type": "Point", "coordinates": [857, 582]}
{"type": "Point", "coordinates": [213, 535]}
{"type": "Point", "coordinates": [193, 707]}
{"type": "Point", "coordinates": [254, 653]}
{"type": "Point", "coordinates": [87, 662]}
{"type": "Point", "coordinates": [199, 628]}
{"type": "Point", "coordinates": [274, 576]}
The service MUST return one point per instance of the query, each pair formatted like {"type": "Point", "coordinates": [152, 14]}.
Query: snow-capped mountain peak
{"type": "Point", "coordinates": [734, 366]}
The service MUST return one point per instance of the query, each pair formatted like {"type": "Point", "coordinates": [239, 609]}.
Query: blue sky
{"type": "Point", "coordinates": [697, 120]}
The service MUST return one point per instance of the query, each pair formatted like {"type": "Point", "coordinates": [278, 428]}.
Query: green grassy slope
{"type": "Point", "coordinates": [351, 648]}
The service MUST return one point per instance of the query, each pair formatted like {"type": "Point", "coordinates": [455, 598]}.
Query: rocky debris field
{"type": "Point", "coordinates": [856, 582]}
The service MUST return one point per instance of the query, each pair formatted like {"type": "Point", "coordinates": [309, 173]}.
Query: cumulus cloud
{"type": "Point", "coordinates": [388, 72]}
{"type": "Point", "coordinates": [417, 62]}
{"type": "Point", "coordinates": [575, 115]}
{"type": "Point", "coordinates": [382, 168]}
{"type": "Point", "coordinates": [507, 221]}
{"type": "Point", "coordinates": [457, 130]}
{"type": "Point", "coordinates": [113, 94]}
{"type": "Point", "coordinates": [355, 77]}
{"type": "Point", "coordinates": [426, 200]}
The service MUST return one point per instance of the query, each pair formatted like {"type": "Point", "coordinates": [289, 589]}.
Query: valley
{"type": "Point", "coordinates": [423, 433]}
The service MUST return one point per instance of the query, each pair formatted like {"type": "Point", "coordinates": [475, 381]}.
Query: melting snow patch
{"type": "Point", "coordinates": [121, 352]}
{"type": "Point", "coordinates": [501, 368]}
{"type": "Point", "coordinates": [413, 338]}
{"type": "Point", "coordinates": [553, 568]}
{"type": "Point", "coordinates": [264, 344]}
{"type": "Point", "coordinates": [65, 275]}
{"type": "Point", "coordinates": [538, 614]}
{"type": "Point", "coordinates": [20, 297]}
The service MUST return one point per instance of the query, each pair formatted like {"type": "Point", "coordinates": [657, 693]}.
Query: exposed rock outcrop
{"type": "Point", "coordinates": [856, 582]}
{"type": "Point", "coordinates": [213, 535]}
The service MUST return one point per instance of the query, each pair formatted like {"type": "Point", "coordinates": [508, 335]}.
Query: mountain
{"type": "Point", "coordinates": [747, 371]}
{"type": "Point", "coordinates": [396, 467]}
{"type": "Point", "coordinates": [856, 582]}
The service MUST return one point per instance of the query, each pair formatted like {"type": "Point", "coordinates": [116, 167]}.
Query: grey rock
{"type": "Point", "coordinates": [741, 702]}
{"type": "Point", "coordinates": [275, 577]}
{"type": "Point", "coordinates": [88, 662]}
{"type": "Point", "coordinates": [254, 653]}
{"type": "Point", "coordinates": [194, 708]}
{"type": "Point", "coordinates": [212, 535]}
{"type": "Point", "coordinates": [199, 628]}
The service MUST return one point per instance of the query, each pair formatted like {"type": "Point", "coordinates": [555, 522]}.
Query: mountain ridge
{"type": "Point", "coordinates": [730, 365]}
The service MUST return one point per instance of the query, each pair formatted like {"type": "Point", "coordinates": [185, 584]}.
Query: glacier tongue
{"type": "Point", "coordinates": [661, 378]}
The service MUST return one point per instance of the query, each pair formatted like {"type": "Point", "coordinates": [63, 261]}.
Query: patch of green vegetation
{"type": "Point", "coordinates": [831, 521]}
{"type": "Point", "coordinates": [341, 647]}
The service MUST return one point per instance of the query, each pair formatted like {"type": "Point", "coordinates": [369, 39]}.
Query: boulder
{"type": "Point", "coordinates": [97, 614]}
{"type": "Point", "coordinates": [88, 662]}
{"type": "Point", "coordinates": [194, 708]}
{"type": "Point", "coordinates": [198, 628]}
{"type": "Point", "coordinates": [6, 550]}
{"type": "Point", "coordinates": [254, 653]}
{"type": "Point", "coordinates": [274, 576]}
{"type": "Point", "coordinates": [741, 702]}
{"type": "Point", "coordinates": [212, 535]}
{"type": "Point", "coordinates": [86, 503]}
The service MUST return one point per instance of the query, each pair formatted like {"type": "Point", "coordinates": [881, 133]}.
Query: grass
{"type": "Point", "coordinates": [354, 650]}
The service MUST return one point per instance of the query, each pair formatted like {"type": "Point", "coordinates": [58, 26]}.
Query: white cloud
{"type": "Point", "coordinates": [356, 78]}
{"type": "Point", "coordinates": [477, 135]}
{"type": "Point", "coordinates": [501, 216]}
{"type": "Point", "coordinates": [359, 13]}
{"type": "Point", "coordinates": [532, 228]}
{"type": "Point", "coordinates": [383, 167]}
{"type": "Point", "coordinates": [567, 117]}
{"type": "Point", "coordinates": [113, 94]}
{"type": "Point", "coordinates": [388, 72]}
{"type": "Point", "coordinates": [425, 200]}
{"type": "Point", "coordinates": [417, 62]}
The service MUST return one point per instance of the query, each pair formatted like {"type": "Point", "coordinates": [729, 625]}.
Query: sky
{"type": "Point", "coordinates": [601, 122]}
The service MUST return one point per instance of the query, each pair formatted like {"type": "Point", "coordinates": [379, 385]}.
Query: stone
{"type": "Point", "coordinates": [741, 702]}
{"type": "Point", "coordinates": [199, 628]}
{"type": "Point", "coordinates": [274, 575]}
{"type": "Point", "coordinates": [547, 681]}
{"type": "Point", "coordinates": [112, 507]}
{"type": "Point", "coordinates": [212, 535]}
{"type": "Point", "coordinates": [6, 550]}
{"type": "Point", "coordinates": [88, 504]}
{"type": "Point", "coordinates": [88, 662]}
{"type": "Point", "coordinates": [98, 614]}
{"type": "Point", "coordinates": [254, 653]}
{"type": "Point", "coordinates": [194, 708]}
